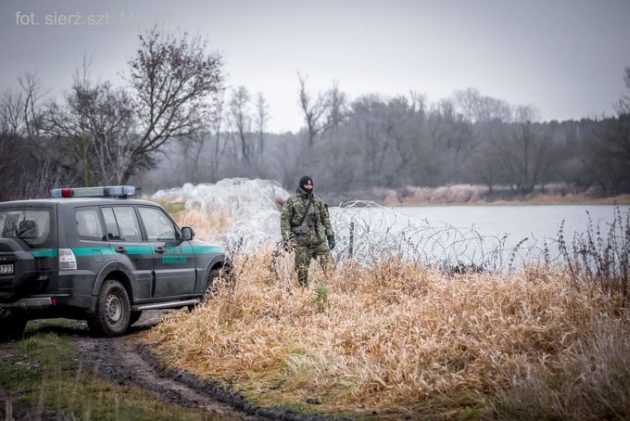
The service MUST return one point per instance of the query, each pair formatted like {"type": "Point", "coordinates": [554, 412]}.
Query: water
{"type": "Point", "coordinates": [517, 222]}
{"type": "Point", "coordinates": [494, 237]}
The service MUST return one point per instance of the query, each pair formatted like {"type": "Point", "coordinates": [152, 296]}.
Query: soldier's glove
{"type": "Point", "coordinates": [331, 241]}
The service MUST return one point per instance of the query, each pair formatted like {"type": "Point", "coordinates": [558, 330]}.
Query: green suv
{"type": "Point", "coordinates": [96, 255]}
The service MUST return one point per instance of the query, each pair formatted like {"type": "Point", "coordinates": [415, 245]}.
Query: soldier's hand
{"type": "Point", "coordinates": [286, 245]}
{"type": "Point", "coordinates": [331, 241]}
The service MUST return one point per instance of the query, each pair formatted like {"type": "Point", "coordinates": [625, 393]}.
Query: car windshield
{"type": "Point", "coordinates": [32, 225]}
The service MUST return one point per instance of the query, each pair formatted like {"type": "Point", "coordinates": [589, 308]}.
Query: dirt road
{"type": "Point", "coordinates": [125, 361]}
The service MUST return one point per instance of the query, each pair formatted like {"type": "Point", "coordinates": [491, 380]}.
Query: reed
{"type": "Point", "coordinates": [600, 256]}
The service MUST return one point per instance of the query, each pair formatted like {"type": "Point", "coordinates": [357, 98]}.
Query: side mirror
{"type": "Point", "coordinates": [187, 234]}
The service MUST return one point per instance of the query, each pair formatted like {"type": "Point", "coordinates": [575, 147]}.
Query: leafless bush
{"type": "Point", "coordinates": [600, 256]}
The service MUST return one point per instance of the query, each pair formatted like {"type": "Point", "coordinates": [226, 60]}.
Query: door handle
{"type": "Point", "coordinates": [120, 249]}
{"type": "Point", "coordinates": [159, 249]}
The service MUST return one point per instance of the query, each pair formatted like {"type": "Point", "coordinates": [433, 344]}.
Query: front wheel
{"type": "Point", "coordinates": [210, 286]}
{"type": "Point", "coordinates": [135, 316]}
{"type": "Point", "coordinates": [113, 310]}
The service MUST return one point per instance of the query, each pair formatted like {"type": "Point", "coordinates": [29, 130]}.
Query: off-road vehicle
{"type": "Point", "coordinates": [95, 254]}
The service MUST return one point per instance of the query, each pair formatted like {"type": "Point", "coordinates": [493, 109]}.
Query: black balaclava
{"type": "Point", "coordinates": [303, 181]}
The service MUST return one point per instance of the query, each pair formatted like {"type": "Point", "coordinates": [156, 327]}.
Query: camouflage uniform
{"type": "Point", "coordinates": [310, 238]}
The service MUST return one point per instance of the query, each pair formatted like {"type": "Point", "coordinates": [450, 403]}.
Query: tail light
{"type": "Point", "coordinates": [67, 261]}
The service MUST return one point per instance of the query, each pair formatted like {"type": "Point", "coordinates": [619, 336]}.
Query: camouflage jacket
{"type": "Point", "coordinates": [315, 227]}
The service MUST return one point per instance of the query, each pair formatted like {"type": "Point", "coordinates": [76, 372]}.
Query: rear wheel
{"type": "Point", "coordinates": [113, 310]}
{"type": "Point", "coordinates": [12, 328]}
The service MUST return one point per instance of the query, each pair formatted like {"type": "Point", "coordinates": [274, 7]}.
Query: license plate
{"type": "Point", "coordinates": [6, 269]}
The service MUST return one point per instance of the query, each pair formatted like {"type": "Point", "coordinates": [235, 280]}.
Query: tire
{"type": "Point", "coordinates": [210, 287]}
{"type": "Point", "coordinates": [134, 317]}
{"type": "Point", "coordinates": [12, 328]}
{"type": "Point", "coordinates": [210, 290]}
{"type": "Point", "coordinates": [113, 310]}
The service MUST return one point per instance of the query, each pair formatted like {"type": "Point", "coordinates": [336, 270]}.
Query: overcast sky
{"type": "Point", "coordinates": [566, 57]}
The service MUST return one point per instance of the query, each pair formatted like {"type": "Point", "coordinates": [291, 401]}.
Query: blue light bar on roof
{"type": "Point", "coordinates": [107, 191]}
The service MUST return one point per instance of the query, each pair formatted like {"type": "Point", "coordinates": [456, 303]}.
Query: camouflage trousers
{"type": "Point", "coordinates": [303, 256]}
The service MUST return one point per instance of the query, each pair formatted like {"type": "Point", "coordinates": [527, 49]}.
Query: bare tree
{"type": "Point", "coordinates": [480, 108]}
{"type": "Point", "coordinates": [11, 117]}
{"type": "Point", "coordinates": [32, 90]}
{"type": "Point", "coordinates": [115, 133]}
{"type": "Point", "coordinates": [19, 111]}
{"type": "Point", "coordinates": [336, 104]}
{"type": "Point", "coordinates": [606, 152]}
{"type": "Point", "coordinates": [219, 141]}
{"type": "Point", "coordinates": [262, 117]}
{"type": "Point", "coordinates": [528, 153]}
{"type": "Point", "coordinates": [96, 126]}
{"type": "Point", "coordinates": [365, 128]}
{"type": "Point", "coordinates": [313, 110]}
{"type": "Point", "coordinates": [242, 122]}
{"type": "Point", "coordinates": [27, 159]}
{"type": "Point", "coordinates": [623, 105]}
{"type": "Point", "coordinates": [174, 79]}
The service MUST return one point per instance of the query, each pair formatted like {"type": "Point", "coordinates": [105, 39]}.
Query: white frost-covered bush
{"type": "Point", "coordinates": [253, 205]}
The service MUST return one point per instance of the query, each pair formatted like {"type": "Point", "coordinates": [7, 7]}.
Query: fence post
{"type": "Point", "coordinates": [351, 238]}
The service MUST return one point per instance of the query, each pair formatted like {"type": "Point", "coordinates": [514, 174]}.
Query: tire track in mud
{"type": "Point", "coordinates": [123, 360]}
{"type": "Point", "coordinates": [120, 360]}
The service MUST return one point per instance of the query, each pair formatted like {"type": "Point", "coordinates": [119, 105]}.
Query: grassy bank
{"type": "Point", "coordinates": [467, 194]}
{"type": "Point", "coordinates": [399, 339]}
{"type": "Point", "coordinates": [44, 379]}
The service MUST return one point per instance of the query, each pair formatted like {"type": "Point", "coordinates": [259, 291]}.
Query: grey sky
{"type": "Point", "coordinates": [566, 57]}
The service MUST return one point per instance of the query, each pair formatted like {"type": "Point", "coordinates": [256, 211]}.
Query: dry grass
{"type": "Point", "coordinates": [401, 339]}
{"type": "Point", "coordinates": [206, 225]}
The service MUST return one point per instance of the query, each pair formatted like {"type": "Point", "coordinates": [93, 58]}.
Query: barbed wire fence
{"type": "Point", "coordinates": [365, 231]}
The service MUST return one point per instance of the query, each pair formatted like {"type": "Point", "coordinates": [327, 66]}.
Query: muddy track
{"type": "Point", "coordinates": [126, 362]}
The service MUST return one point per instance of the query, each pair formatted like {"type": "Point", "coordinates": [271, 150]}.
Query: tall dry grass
{"type": "Point", "coordinates": [205, 224]}
{"type": "Point", "coordinates": [600, 256]}
{"type": "Point", "coordinates": [402, 339]}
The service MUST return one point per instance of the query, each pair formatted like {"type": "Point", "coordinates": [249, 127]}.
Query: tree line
{"type": "Point", "coordinates": [354, 146]}
{"type": "Point", "coordinates": [175, 121]}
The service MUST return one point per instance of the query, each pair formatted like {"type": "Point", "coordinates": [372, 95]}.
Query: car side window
{"type": "Point", "coordinates": [88, 224]}
{"type": "Point", "coordinates": [157, 224]}
{"type": "Point", "coordinates": [110, 224]}
{"type": "Point", "coordinates": [127, 223]}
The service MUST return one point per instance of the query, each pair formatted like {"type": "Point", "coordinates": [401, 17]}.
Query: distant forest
{"type": "Point", "coordinates": [176, 122]}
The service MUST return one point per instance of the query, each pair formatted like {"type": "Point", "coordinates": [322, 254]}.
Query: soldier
{"type": "Point", "coordinates": [305, 225]}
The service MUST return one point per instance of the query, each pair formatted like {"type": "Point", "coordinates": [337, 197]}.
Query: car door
{"type": "Point", "coordinates": [173, 261]}
{"type": "Point", "coordinates": [125, 236]}
{"type": "Point", "coordinates": [90, 245]}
